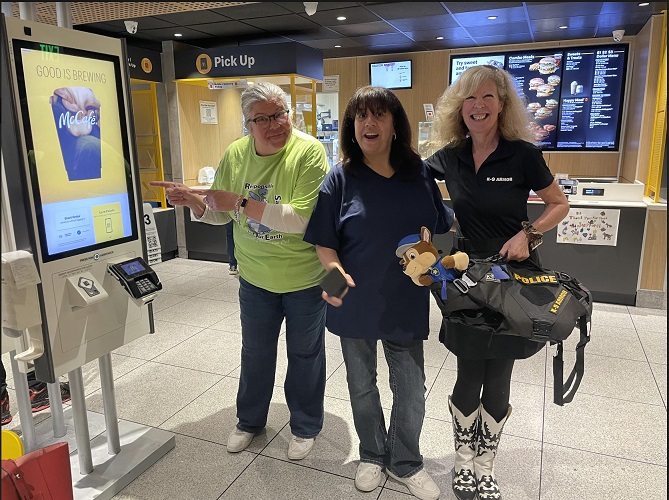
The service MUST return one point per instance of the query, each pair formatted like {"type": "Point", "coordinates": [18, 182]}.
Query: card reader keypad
{"type": "Point", "coordinates": [145, 286]}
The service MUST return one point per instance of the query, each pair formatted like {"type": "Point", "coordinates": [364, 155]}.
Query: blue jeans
{"type": "Point", "coordinates": [262, 313]}
{"type": "Point", "coordinates": [230, 243]}
{"type": "Point", "coordinates": [397, 448]}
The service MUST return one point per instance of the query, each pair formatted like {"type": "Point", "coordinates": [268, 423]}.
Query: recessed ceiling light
{"type": "Point", "coordinates": [440, 38]}
{"type": "Point", "coordinates": [644, 4]}
{"type": "Point", "coordinates": [337, 46]}
{"type": "Point", "coordinates": [341, 18]}
{"type": "Point", "coordinates": [492, 18]}
{"type": "Point", "coordinates": [178, 34]}
{"type": "Point", "coordinates": [563, 27]}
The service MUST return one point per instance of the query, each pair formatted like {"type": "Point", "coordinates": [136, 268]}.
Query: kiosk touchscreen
{"type": "Point", "coordinates": [70, 90]}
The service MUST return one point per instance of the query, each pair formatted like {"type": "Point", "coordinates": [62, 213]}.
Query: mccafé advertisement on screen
{"type": "Point", "coordinates": [77, 148]}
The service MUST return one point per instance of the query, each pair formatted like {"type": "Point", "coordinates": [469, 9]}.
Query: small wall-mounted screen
{"type": "Point", "coordinates": [392, 75]}
{"type": "Point", "coordinates": [76, 138]}
{"type": "Point", "coordinates": [574, 95]}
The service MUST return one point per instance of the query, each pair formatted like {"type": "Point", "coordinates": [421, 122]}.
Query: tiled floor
{"type": "Point", "coordinates": [609, 443]}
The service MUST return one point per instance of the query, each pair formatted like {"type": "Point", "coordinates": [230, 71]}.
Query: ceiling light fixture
{"type": "Point", "coordinates": [310, 8]}
{"type": "Point", "coordinates": [563, 27]}
{"type": "Point", "coordinates": [341, 18]}
{"type": "Point", "coordinates": [644, 4]}
{"type": "Point", "coordinates": [492, 18]}
{"type": "Point", "coordinates": [440, 38]}
{"type": "Point", "coordinates": [178, 34]}
{"type": "Point", "coordinates": [337, 46]}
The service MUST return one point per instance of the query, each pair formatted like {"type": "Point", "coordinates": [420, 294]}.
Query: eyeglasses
{"type": "Point", "coordinates": [263, 121]}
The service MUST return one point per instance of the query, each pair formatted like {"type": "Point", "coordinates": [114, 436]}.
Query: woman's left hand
{"type": "Point", "coordinates": [517, 248]}
{"type": "Point", "coordinates": [216, 200]}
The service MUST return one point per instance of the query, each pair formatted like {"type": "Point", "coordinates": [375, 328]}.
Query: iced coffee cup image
{"type": "Point", "coordinates": [76, 112]}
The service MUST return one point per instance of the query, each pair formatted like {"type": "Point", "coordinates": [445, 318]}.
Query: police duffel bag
{"type": "Point", "coordinates": [522, 298]}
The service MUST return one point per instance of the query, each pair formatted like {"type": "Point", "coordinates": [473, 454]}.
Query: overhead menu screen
{"type": "Point", "coordinates": [391, 75]}
{"type": "Point", "coordinates": [574, 96]}
{"type": "Point", "coordinates": [76, 138]}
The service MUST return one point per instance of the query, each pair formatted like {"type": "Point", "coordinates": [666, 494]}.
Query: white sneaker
{"type": "Point", "coordinates": [368, 476]}
{"type": "Point", "coordinates": [420, 485]}
{"type": "Point", "coordinates": [239, 440]}
{"type": "Point", "coordinates": [298, 447]}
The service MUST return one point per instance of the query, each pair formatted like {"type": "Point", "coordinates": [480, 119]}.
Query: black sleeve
{"type": "Point", "coordinates": [437, 165]}
{"type": "Point", "coordinates": [537, 173]}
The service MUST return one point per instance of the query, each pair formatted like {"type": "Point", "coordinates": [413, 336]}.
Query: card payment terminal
{"type": "Point", "coordinates": [137, 277]}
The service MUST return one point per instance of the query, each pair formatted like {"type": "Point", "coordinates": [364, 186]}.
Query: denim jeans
{"type": "Point", "coordinates": [262, 313]}
{"type": "Point", "coordinates": [398, 447]}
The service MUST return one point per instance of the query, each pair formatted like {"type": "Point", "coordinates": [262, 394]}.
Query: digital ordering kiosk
{"type": "Point", "coordinates": [77, 189]}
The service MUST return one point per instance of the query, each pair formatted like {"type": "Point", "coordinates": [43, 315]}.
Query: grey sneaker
{"type": "Point", "coordinates": [420, 485]}
{"type": "Point", "coordinates": [368, 476]}
{"type": "Point", "coordinates": [239, 440]}
{"type": "Point", "coordinates": [298, 447]}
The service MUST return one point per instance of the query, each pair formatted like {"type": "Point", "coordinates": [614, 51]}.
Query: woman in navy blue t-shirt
{"type": "Point", "coordinates": [380, 193]}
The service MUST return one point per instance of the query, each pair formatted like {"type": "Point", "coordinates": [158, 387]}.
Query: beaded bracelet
{"type": "Point", "coordinates": [534, 236]}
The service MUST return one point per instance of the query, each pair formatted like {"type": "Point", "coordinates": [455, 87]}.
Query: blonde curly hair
{"type": "Point", "coordinates": [449, 128]}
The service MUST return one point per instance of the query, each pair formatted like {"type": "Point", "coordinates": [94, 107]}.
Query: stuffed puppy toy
{"type": "Point", "coordinates": [421, 262]}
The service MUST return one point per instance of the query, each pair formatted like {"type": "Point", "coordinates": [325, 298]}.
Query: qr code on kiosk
{"type": "Point", "coordinates": [152, 242]}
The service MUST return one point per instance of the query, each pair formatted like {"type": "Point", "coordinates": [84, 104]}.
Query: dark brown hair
{"type": "Point", "coordinates": [403, 158]}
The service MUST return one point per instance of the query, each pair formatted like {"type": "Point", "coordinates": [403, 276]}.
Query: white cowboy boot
{"type": "Point", "coordinates": [465, 437]}
{"type": "Point", "coordinates": [489, 433]}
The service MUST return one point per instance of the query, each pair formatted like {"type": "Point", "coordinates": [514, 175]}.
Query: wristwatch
{"type": "Point", "coordinates": [242, 205]}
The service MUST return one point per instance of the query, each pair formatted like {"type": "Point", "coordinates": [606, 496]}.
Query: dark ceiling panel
{"type": "Point", "coordinates": [501, 29]}
{"type": "Point", "coordinates": [253, 10]}
{"type": "Point", "coordinates": [227, 28]}
{"type": "Point", "coordinates": [457, 7]}
{"type": "Point", "coordinates": [330, 44]}
{"type": "Point", "coordinates": [403, 10]}
{"type": "Point", "coordinates": [611, 7]}
{"type": "Point", "coordinates": [375, 28]}
{"type": "Point", "coordinates": [353, 15]}
{"type": "Point", "coordinates": [503, 39]}
{"type": "Point", "coordinates": [561, 9]}
{"type": "Point", "coordinates": [560, 35]}
{"type": "Point", "coordinates": [579, 22]}
{"type": "Point", "coordinates": [376, 40]}
{"type": "Point", "coordinates": [456, 43]}
{"type": "Point", "coordinates": [621, 19]}
{"type": "Point", "coordinates": [193, 17]}
{"type": "Point", "coordinates": [424, 23]}
{"type": "Point", "coordinates": [298, 7]}
{"type": "Point", "coordinates": [149, 23]}
{"type": "Point", "coordinates": [168, 33]}
{"type": "Point", "coordinates": [430, 35]}
{"type": "Point", "coordinates": [277, 24]}
{"type": "Point", "coordinates": [480, 18]}
{"type": "Point", "coordinates": [321, 34]}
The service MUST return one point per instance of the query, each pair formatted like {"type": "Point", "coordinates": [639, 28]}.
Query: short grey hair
{"type": "Point", "coordinates": [262, 92]}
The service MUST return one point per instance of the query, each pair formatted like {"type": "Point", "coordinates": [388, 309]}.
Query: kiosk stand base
{"type": "Point", "coordinates": [141, 447]}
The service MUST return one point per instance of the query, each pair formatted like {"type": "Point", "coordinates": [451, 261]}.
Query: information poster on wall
{"type": "Point", "coordinates": [208, 113]}
{"type": "Point", "coordinates": [589, 226]}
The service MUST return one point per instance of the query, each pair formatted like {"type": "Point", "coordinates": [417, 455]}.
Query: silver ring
{"type": "Point", "coordinates": [205, 200]}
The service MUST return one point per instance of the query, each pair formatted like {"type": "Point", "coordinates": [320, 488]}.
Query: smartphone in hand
{"type": "Point", "coordinates": [334, 283]}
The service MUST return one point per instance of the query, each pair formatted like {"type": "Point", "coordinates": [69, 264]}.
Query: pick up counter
{"type": "Point", "coordinates": [610, 272]}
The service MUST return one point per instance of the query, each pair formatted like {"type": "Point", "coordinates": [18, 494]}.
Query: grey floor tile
{"type": "Point", "coordinates": [166, 336]}
{"type": "Point", "coordinates": [184, 266]}
{"type": "Point", "coordinates": [653, 320]}
{"type": "Point", "coordinates": [153, 392]}
{"type": "Point", "coordinates": [332, 340]}
{"type": "Point", "coordinates": [216, 270]}
{"type": "Point", "coordinates": [611, 341]}
{"type": "Point", "coordinates": [165, 275]}
{"type": "Point", "coordinates": [614, 378]}
{"type": "Point", "coordinates": [272, 479]}
{"type": "Point", "coordinates": [194, 469]}
{"type": "Point", "coordinates": [335, 448]}
{"type": "Point", "coordinates": [660, 374]}
{"type": "Point", "coordinates": [571, 474]}
{"type": "Point", "coordinates": [226, 290]}
{"type": "Point", "coordinates": [166, 300]}
{"type": "Point", "coordinates": [121, 365]}
{"type": "Point", "coordinates": [213, 415]}
{"type": "Point", "coordinates": [612, 315]}
{"type": "Point", "coordinates": [189, 285]}
{"type": "Point", "coordinates": [232, 323]}
{"type": "Point", "coordinates": [614, 427]}
{"type": "Point", "coordinates": [654, 345]}
{"type": "Point", "coordinates": [212, 351]}
{"type": "Point", "coordinates": [197, 311]}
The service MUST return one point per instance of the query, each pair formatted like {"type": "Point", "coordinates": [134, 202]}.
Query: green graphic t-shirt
{"type": "Point", "coordinates": [273, 260]}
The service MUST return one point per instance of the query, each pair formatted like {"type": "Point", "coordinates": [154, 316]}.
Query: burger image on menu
{"type": "Point", "coordinates": [545, 90]}
{"type": "Point", "coordinates": [536, 82]}
{"type": "Point", "coordinates": [533, 106]}
{"type": "Point", "coordinates": [542, 113]}
{"type": "Point", "coordinates": [554, 80]}
{"type": "Point", "coordinates": [540, 134]}
{"type": "Point", "coordinates": [547, 65]}
{"type": "Point", "coordinates": [549, 127]}
{"type": "Point", "coordinates": [551, 103]}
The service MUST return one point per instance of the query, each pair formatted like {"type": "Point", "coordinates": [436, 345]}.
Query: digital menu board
{"type": "Point", "coordinates": [574, 95]}
{"type": "Point", "coordinates": [391, 75]}
{"type": "Point", "coordinates": [76, 136]}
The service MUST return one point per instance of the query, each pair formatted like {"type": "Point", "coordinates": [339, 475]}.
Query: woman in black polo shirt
{"type": "Point", "coordinates": [490, 164]}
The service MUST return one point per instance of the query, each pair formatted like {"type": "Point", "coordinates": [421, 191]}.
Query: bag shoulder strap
{"type": "Point", "coordinates": [16, 476]}
{"type": "Point", "coordinates": [564, 392]}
